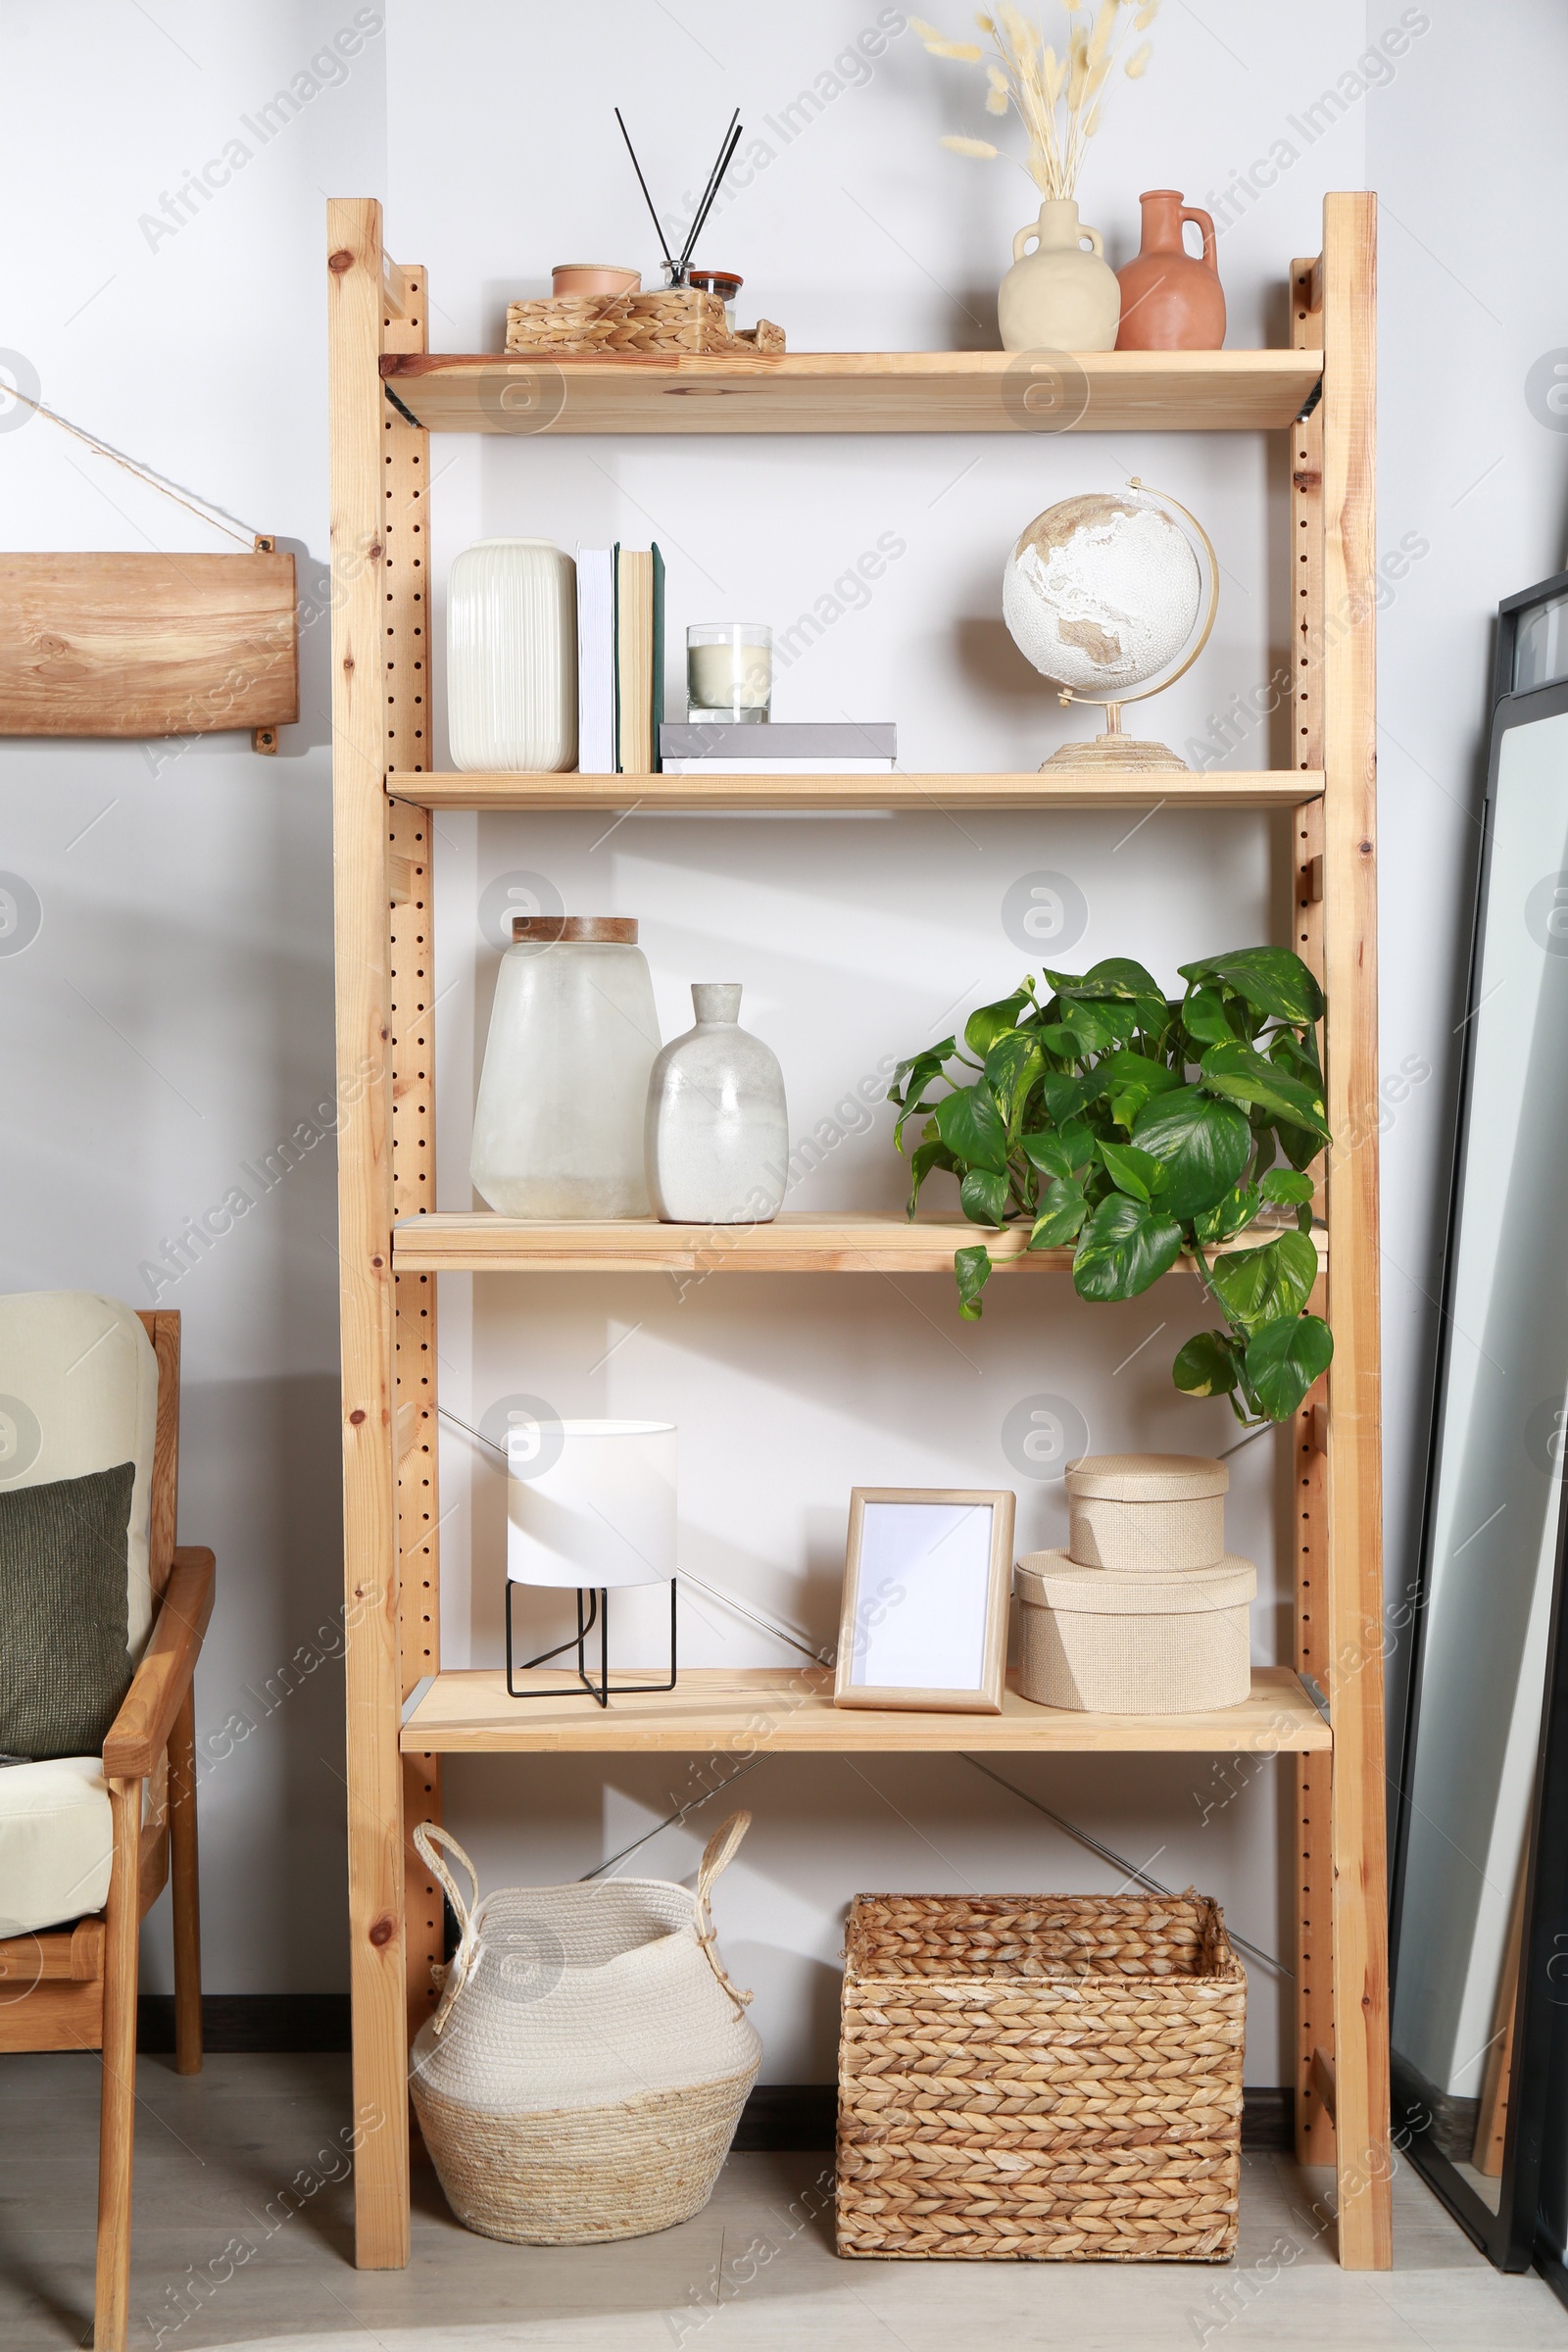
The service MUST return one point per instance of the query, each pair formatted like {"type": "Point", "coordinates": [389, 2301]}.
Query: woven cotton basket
{"type": "Point", "coordinates": [1040, 2077]}
{"type": "Point", "coordinates": [585, 2071]}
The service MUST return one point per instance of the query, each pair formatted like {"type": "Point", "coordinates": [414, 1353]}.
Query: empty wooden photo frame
{"type": "Point", "coordinates": [927, 1576]}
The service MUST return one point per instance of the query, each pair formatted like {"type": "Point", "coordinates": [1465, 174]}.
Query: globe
{"type": "Point", "coordinates": [1102, 591]}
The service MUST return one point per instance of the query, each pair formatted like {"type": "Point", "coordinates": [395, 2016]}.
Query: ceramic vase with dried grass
{"type": "Point", "coordinates": [1061, 293]}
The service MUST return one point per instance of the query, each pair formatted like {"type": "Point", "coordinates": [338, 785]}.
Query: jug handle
{"type": "Point", "coordinates": [1096, 243]}
{"type": "Point", "coordinates": [1206, 222]}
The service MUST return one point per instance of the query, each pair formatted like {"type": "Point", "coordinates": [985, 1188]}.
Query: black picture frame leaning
{"type": "Point", "coordinates": [1522, 2230]}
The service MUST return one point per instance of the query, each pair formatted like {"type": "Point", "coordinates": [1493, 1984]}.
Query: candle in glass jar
{"type": "Point", "coordinates": [729, 671]}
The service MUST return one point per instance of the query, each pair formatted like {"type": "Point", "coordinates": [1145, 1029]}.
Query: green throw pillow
{"type": "Point", "coordinates": [65, 1656]}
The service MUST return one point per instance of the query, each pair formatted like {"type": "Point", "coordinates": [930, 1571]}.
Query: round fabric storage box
{"type": "Point", "coordinates": [1150, 1513]}
{"type": "Point", "coordinates": [1108, 1644]}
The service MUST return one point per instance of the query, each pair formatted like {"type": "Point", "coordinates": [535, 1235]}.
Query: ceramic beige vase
{"type": "Point", "coordinates": [1057, 297]}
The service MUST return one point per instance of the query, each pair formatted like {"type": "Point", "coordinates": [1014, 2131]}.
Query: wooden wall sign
{"type": "Point", "coordinates": [148, 644]}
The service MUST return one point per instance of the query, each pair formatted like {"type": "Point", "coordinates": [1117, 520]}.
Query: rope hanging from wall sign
{"type": "Point", "coordinates": [101, 449]}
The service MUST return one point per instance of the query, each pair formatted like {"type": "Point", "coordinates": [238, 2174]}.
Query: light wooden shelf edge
{"type": "Point", "coordinates": [801, 1242]}
{"type": "Point", "coordinates": [912, 792]}
{"type": "Point", "coordinates": [855, 392]}
{"type": "Point", "coordinates": [779, 1711]}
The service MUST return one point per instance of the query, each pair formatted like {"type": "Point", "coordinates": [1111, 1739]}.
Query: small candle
{"type": "Point", "coordinates": [729, 671]}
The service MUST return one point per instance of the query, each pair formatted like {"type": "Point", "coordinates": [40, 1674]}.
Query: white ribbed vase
{"type": "Point", "coordinates": [512, 656]}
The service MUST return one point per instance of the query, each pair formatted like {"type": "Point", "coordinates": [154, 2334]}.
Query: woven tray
{"type": "Point", "coordinates": [1039, 2077]}
{"type": "Point", "coordinates": [677, 321]}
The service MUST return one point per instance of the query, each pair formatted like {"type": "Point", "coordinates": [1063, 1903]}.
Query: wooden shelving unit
{"type": "Point", "coordinates": [404, 1713]}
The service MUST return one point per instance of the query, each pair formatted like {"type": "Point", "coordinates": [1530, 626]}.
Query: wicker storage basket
{"type": "Point", "coordinates": [585, 2071]}
{"type": "Point", "coordinates": [1147, 1511]}
{"type": "Point", "coordinates": [678, 320]}
{"type": "Point", "coordinates": [1039, 2077]}
{"type": "Point", "coordinates": [1109, 1643]}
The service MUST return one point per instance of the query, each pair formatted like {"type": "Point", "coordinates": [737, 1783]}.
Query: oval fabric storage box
{"type": "Point", "coordinates": [1106, 1644]}
{"type": "Point", "coordinates": [1151, 1512]}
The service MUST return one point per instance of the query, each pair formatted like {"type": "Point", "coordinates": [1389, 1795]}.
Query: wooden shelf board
{"type": "Point", "coordinates": [777, 1711]}
{"type": "Point", "coordinates": [799, 1242]}
{"type": "Point", "coordinates": [857, 392]}
{"type": "Point", "coordinates": [1115, 789]}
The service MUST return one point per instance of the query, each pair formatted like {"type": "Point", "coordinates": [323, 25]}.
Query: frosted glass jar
{"type": "Point", "coordinates": [511, 657]}
{"type": "Point", "coordinates": [558, 1129]}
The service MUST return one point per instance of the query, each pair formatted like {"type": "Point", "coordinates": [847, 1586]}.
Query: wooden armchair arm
{"type": "Point", "coordinates": [139, 1732]}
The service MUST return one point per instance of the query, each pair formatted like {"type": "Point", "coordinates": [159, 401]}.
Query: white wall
{"type": "Point", "coordinates": [195, 913]}
{"type": "Point", "coordinates": [172, 1019]}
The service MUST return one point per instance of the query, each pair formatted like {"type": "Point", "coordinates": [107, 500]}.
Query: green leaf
{"type": "Point", "coordinates": [982, 1197]}
{"type": "Point", "coordinates": [971, 1126]}
{"type": "Point", "coordinates": [1203, 1143]}
{"type": "Point", "coordinates": [1133, 1171]}
{"type": "Point", "coordinates": [1283, 1359]}
{"type": "Point", "coordinates": [1125, 1245]}
{"type": "Point", "coordinates": [1283, 1184]}
{"type": "Point", "coordinates": [1272, 980]}
{"type": "Point", "coordinates": [926, 1156]}
{"type": "Point", "coordinates": [1206, 1365]}
{"type": "Point", "coordinates": [983, 1028]}
{"type": "Point", "coordinates": [920, 1069]}
{"type": "Point", "coordinates": [1115, 979]}
{"type": "Point", "coordinates": [1064, 1096]}
{"type": "Point", "coordinates": [1264, 1286]}
{"type": "Point", "coordinates": [1013, 1065]}
{"type": "Point", "coordinates": [1058, 1221]}
{"type": "Point", "coordinates": [1094, 1027]}
{"type": "Point", "coordinates": [1236, 1072]}
{"type": "Point", "coordinates": [1078, 1142]}
{"type": "Point", "coordinates": [1203, 1018]}
{"type": "Point", "coordinates": [972, 1268]}
{"type": "Point", "coordinates": [1048, 1154]}
{"type": "Point", "coordinates": [918, 1073]}
{"type": "Point", "coordinates": [1233, 1214]}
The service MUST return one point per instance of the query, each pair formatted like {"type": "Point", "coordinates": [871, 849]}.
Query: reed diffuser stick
{"type": "Point", "coordinates": [716, 182]}
{"type": "Point", "coordinates": [727, 148]}
{"type": "Point", "coordinates": [642, 184]}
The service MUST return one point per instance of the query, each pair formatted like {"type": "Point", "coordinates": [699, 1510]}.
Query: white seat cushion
{"type": "Point", "coordinates": [78, 1391]}
{"type": "Point", "coordinates": [56, 1843]}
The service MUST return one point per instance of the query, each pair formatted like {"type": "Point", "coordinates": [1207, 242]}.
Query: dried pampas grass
{"type": "Point", "coordinates": [1060, 101]}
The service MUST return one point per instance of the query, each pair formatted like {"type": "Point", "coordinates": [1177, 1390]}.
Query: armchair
{"type": "Point", "coordinates": [87, 1845]}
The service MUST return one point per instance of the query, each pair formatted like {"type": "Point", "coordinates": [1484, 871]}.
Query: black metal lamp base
{"type": "Point", "coordinates": [597, 1612]}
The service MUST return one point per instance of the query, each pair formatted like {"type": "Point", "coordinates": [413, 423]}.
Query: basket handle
{"type": "Point", "coordinates": [425, 1836]}
{"type": "Point", "coordinates": [717, 1854]}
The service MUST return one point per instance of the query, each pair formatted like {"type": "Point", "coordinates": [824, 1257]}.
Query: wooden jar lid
{"type": "Point", "coordinates": [577, 930]}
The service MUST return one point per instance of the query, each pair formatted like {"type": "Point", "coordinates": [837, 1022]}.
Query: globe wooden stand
{"type": "Point", "coordinates": [1114, 750]}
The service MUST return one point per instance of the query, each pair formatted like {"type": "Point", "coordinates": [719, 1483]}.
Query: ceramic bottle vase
{"type": "Point", "coordinates": [1170, 299]}
{"type": "Point", "coordinates": [1059, 297]}
{"type": "Point", "coordinates": [716, 1143]}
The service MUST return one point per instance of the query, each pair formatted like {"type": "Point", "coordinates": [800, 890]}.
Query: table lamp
{"type": "Point", "coordinates": [599, 1517]}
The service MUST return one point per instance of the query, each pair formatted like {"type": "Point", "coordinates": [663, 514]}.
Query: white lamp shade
{"type": "Point", "coordinates": [602, 1514]}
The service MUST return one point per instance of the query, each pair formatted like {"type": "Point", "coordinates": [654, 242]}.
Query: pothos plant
{"type": "Point", "coordinates": [1135, 1127]}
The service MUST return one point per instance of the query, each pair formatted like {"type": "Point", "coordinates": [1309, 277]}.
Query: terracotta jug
{"type": "Point", "coordinates": [1170, 301]}
{"type": "Point", "coordinates": [1058, 298]}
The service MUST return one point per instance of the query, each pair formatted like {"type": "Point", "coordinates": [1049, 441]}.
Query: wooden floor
{"type": "Point", "coordinates": [215, 2155]}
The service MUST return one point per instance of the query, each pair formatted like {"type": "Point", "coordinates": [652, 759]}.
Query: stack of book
{"type": "Point", "coordinates": [833, 747]}
{"type": "Point", "coordinates": [620, 659]}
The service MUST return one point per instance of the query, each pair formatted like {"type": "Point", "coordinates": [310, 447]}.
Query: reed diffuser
{"type": "Point", "coordinates": [1056, 297]}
